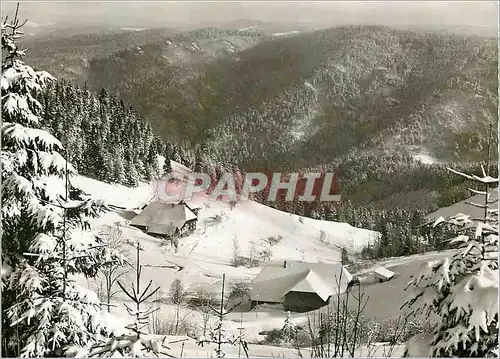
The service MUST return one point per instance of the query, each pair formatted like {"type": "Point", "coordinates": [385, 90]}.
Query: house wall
{"type": "Point", "coordinates": [379, 278]}
{"type": "Point", "coordinates": [188, 227]}
{"type": "Point", "coordinates": [302, 301]}
{"type": "Point", "coordinates": [142, 228]}
{"type": "Point", "coordinates": [255, 303]}
{"type": "Point", "coordinates": [191, 225]}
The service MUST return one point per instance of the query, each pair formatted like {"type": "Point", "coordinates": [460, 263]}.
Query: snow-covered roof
{"type": "Point", "coordinates": [163, 218]}
{"type": "Point", "coordinates": [313, 283]}
{"type": "Point", "coordinates": [384, 272]}
{"type": "Point", "coordinates": [279, 278]}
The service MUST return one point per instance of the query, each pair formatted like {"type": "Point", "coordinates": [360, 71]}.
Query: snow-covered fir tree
{"type": "Point", "coordinates": [46, 242]}
{"type": "Point", "coordinates": [137, 342]}
{"type": "Point", "coordinates": [462, 291]}
{"type": "Point", "coordinates": [217, 334]}
{"type": "Point", "coordinates": [108, 141]}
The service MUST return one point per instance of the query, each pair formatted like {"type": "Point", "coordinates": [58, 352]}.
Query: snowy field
{"type": "Point", "coordinates": [207, 253]}
{"type": "Point", "coordinates": [202, 258]}
{"type": "Point", "coordinates": [219, 226]}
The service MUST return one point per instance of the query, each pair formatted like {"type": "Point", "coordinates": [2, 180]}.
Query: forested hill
{"type": "Point", "coordinates": [311, 98]}
{"type": "Point", "coordinates": [387, 109]}
{"type": "Point", "coordinates": [308, 98]}
{"type": "Point", "coordinates": [103, 138]}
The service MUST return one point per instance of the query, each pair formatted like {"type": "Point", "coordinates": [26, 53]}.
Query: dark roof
{"type": "Point", "coordinates": [127, 214]}
{"type": "Point", "coordinates": [163, 218]}
{"type": "Point", "coordinates": [275, 281]}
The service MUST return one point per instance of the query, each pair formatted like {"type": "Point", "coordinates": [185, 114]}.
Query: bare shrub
{"type": "Point", "coordinates": [239, 292]}
{"type": "Point", "coordinates": [323, 238]}
{"type": "Point", "coordinates": [276, 337]}
{"type": "Point", "coordinates": [114, 240]}
{"type": "Point", "coordinates": [265, 254]}
{"type": "Point", "coordinates": [238, 260]}
{"type": "Point", "coordinates": [176, 324]}
{"type": "Point", "coordinates": [253, 259]}
{"type": "Point", "coordinates": [217, 335]}
{"type": "Point", "coordinates": [288, 336]}
{"type": "Point", "coordinates": [247, 262]}
{"type": "Point", "coordinates": [217, 219]}
{"type": "Point", "coordinates": [336, 331]}
{"type": "Point", "coordinates": [170, 325]}
{"type": "Point", "coordinates": [177, 296]}
{"type": "Point", "coordinates": [201, 298]}
{"type": "Point", "coordinates": [396, 331]}
{"type": "Point", "coordinates": [137, 342]}
{"type": "Point", "coordinates": [274, 240]}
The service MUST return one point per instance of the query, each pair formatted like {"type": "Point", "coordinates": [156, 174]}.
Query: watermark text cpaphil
{"type": "Point", "coordinates": [230, 187]}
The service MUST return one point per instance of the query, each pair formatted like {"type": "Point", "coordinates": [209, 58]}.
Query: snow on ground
{"type": "Point", "coordinates": [133, 28]}
{"type": "Point", "coordinates": [425, 158]}
{"type": "Point", "coordinates": [115, 194]}
{"type": "Point", "coordinates": [286, 33]}
{"type": "Point", "coordinates": [192, 321]}
{"type": "Point", "coordinates": [208, 252]}
{"type": "Point", "coordinates": [189, 348]}
{"type": "Point", "coordinates": [252, 323]}
{"type": "Point", "coordinates": [399, 261]}
{"type": "Point", "coordinates": [249, 224]}
{"type": "Point", "coordinates": [248, 28]}
{"type": "Point", "coordinates": [204, 256]}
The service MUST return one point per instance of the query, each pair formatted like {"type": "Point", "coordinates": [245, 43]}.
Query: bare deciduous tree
{"type": "Point", "coordinates": [177, 296]}
{"type": "Point", "coordinates": [114, 240]}
{"type": "Point", "coordinates": [336, 332]}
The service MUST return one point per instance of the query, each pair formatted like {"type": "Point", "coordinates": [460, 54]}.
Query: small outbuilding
{"type": "Point", "coordinates": [383, 274]}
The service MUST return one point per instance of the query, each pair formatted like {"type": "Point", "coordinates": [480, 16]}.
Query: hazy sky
{"type": "Point", "coordinates": [144, 13]}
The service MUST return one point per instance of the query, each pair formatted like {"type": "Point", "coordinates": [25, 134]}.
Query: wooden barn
{"type": "Point", "coordinates": [299, 286]}
{"type": "Point", "coordinates": [166, 220]}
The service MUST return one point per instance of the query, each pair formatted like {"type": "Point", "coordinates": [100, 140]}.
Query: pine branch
{"type": "Point", "coordinates": [150, 294]}
{"type": "Point", "coordinates": [125, 291]}
{"type": "Point", "coordinates": [477, 192]}
{"type": "Point", "coordinates": [476, 205]}
{"type": "Point", "coordinates": [485, 179]}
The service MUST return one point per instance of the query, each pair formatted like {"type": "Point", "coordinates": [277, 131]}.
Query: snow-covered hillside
{"type": "Point", "coordinates": [208, 252]}
{"type": "Point", "coordinates": [249, 222]}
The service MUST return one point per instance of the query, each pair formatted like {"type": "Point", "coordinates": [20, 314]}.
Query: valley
{"type": "Point", "coordinates": [396, 256]}
{"type": "Point", "coordinates": [197, 270]}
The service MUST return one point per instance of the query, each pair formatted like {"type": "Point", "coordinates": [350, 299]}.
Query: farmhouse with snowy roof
{"type": "Point", "coordinates": [299, 286]}
{"type": "Point", "coordinates": [166, 220]}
